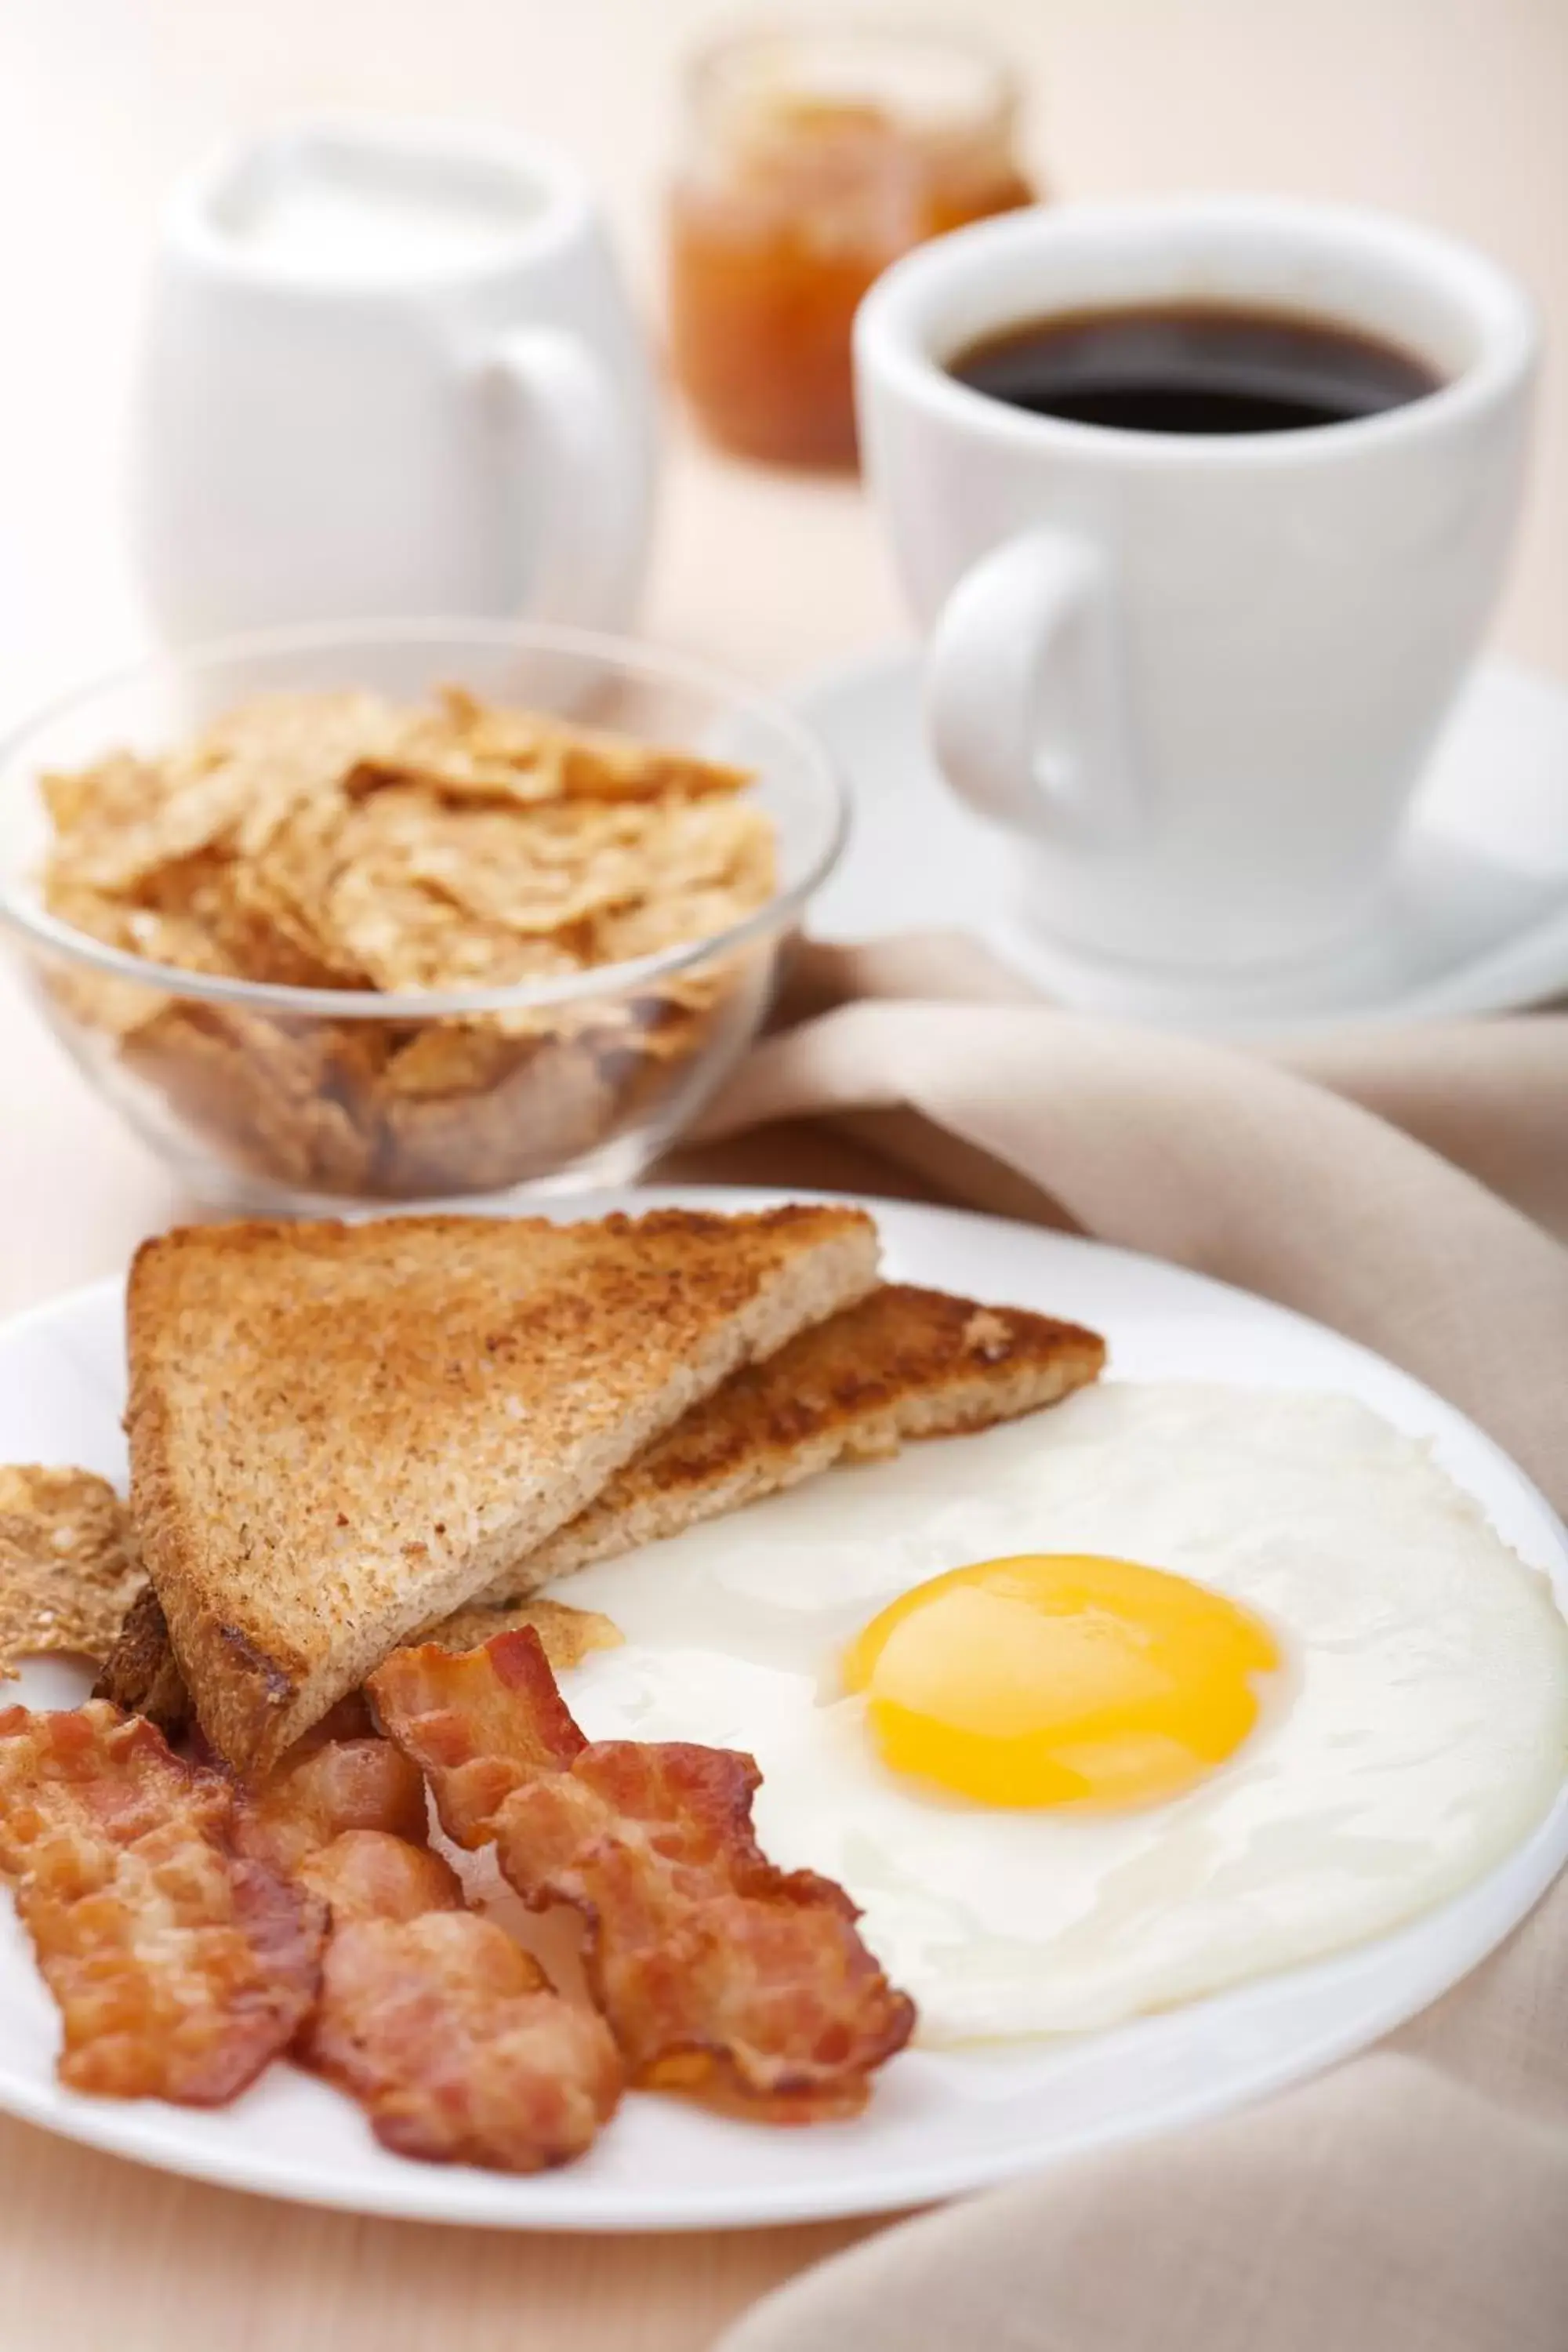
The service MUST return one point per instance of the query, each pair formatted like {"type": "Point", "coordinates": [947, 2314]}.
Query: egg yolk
{"type": "Point", "coordinates": [1054, 1679]}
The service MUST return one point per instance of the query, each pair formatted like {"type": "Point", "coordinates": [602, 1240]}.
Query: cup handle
{"type": "Point", "coordinates": [576, 453]}
{"type": "Point", "coordinates": [1024, 696]}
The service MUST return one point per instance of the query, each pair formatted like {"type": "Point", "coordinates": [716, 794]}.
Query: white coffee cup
{"type": "Point", "coordinates": [390, 370]}
{"type": "Point", "coordinates": [1196, 677]}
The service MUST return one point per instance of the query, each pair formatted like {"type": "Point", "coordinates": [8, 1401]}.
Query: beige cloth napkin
{"type": "Point", "coordinates": [1411, 1188]}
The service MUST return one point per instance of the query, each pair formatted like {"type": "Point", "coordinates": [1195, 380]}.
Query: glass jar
{"type": "Point", "coordinates": [813, 159]}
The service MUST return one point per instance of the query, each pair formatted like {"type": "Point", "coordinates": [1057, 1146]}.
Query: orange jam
{"type": "Point", "coordinates": [814, 161]}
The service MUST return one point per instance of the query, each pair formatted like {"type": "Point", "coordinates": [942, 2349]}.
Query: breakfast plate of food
{"type": "Point", "coordinates": [703, 1710]}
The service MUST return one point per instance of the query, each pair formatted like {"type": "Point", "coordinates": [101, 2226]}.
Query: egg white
{"type": "Point", "coordinates": [1419, 1731]}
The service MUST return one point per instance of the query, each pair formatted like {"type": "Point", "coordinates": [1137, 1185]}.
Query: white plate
{"type": "Point", "coordinates": [938, 2124]}
{"type": "Point", "coordinates": [1475, 918]}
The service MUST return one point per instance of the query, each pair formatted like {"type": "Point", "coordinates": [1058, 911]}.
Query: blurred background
{"type": "Point", "coordinates": [1451, 111]}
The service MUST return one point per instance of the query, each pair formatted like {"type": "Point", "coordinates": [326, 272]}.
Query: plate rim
{"type": "Point", "coordinates": [500, 2202]}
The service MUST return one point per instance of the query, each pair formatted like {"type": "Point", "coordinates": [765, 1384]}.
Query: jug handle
{"type": "Point", "coordinates": [576, 450]}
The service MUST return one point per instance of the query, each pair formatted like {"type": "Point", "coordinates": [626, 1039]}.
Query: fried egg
{"type": "Point", "coordinates": [1168, 1687]}
{"type": "Point", "coordinates": [1057, 1679]}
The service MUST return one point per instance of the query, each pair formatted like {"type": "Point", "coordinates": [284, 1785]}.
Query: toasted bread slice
{"type": "Point", "coordinates": [904, 1363]}
{"type": "Point", "coordinates": [141, 1677]}
{"type": "Point", "coordinates": [140, 1673]}
{"type": "Point", "coordinates": [339, 1432]}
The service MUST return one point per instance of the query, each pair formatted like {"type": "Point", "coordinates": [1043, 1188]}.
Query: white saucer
{"type": "Point", "coordinates": [1477, 919]}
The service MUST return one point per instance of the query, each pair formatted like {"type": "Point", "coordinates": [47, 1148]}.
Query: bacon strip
{"type": "Point", "coordinates": [443, 2029]}
{"type": "Point", "coordinates": [715, 1969]}
{"type": "Point", "coordinates": [180, 1964]}
{"type": "Point", "coordinates": [326, 1786]}
{"type": "Point", "coordinates": [446, 2031]}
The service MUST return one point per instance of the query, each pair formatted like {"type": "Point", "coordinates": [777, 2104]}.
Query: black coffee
{"type": "Point", "coordinates": [1193, 369]}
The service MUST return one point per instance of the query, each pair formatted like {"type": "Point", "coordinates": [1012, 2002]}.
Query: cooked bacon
{"type": "Point", "coordinates": [180, 1964]}
{"type": "Point", "coordinates": [442, 2028]}
{"type": "Point", "coordinates": [715, 1969]}
{"type": "Point", "coordinates": [446, 2031]}
{"type": "Point", "coordinates": [371, 1874]}
{"type": "Point", "coordinates": [324, 1786]}
{"type": "Point", "coordinates": [481, 1724]}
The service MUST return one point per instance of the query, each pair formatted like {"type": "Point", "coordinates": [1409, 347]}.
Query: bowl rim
{"type": "Point", "coordinates": [35, 924]}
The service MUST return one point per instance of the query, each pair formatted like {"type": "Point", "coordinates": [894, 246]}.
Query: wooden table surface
{"type": "Point", "coordinates": [1450, 109]}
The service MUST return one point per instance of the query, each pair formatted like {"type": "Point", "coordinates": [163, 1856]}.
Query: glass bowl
{"type": "Point", "coordinates": [297, 1099]}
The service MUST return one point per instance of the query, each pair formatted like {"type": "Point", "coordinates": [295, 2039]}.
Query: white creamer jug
{"type": "Point", "coordinates": [390, 370]}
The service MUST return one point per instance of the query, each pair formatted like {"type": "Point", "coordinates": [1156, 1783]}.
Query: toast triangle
{"type": "Point", "coordinates": [339, 1432]}
{"type": "Point", "coordinates": [902, 1363]}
